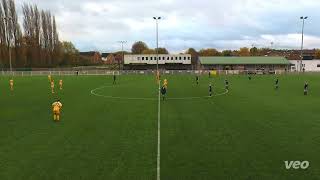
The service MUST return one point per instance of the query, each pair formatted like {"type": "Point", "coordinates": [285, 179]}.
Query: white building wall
{"type": "Point", "coordinates": [163, 59]}
{"type": "Point", "coordinates": [308, 65]}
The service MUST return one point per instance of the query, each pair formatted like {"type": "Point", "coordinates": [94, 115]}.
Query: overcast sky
{"type": "Point", "coordinates": [227, 24]}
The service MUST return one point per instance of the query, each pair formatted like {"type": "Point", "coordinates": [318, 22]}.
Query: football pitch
{"type": "Point", "coordinates": [110, 132]}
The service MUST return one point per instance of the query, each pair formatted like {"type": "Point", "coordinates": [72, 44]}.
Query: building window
{"type": "Point", "coordinates": [151, 58]}
{"type": "Point", "coordinates": [147, 58]}
{"type": "Point", "coordinates": [168, 58]}
{"type": "Point", "coordinates": [176, 58]}
{"type": "Point", "coordinates": [155, 58]}
{"type": "Point", "coordinates": [185, 58]}
{"type": "Point", "coordinates": [189, 58]}
{"type": "Point", "coordinates": [180, 58]}
{"type": "Point", "coordinates": [163, 58]}
{"type": "Point", "coordinates": [318, 65]}
{"type": "Point", "coordinates": [171, 58]}
{"type": "Point", "coordinates": [142, 58]}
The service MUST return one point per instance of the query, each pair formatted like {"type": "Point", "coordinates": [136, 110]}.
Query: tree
{"type": "Point", "coordinates": [70, 53]}
{"type": "Point", "coordinates": [254, 51]}
{"type": "Point", "coordinates": [10, 33]}
{"type": "Point", "coordinates": [317, 54]}
{"type": "Point", "coordinates": [209, 52]}
{"type": "Point", "coordinates": [235, 53]}
{"type": "Point", "coordinates": [162, 51]}
{"type": "Point", "coordinates": [194, 57]}
{"type": "Point", "coordinates": [139, 47]}
{"type": "Point", "coordinates": [227, 53]}
{"type": "Point", "coordinates": [244, 51]}
{"type": "Point", "coordinates": [149, 51]}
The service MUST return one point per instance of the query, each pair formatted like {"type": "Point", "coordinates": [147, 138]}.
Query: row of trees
{"type": "Point", "coordinates": [142, 48]}
{"type": "Point", "coordinates": [38, 45]}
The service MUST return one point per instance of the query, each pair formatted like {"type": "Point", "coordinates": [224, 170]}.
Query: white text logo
{"type": "Point", "coordinates": [297, 164]}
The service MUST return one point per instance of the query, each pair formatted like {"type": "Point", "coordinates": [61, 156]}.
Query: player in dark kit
{"type": "Point", "coordinates": [306, 87]}
{"type": "Point", "coordinates": [249, 77]}
{"type": "Point", "coordinates": [210, 90]}
{"type": "Point", "coordinates": [197, 79]}
{"type": "Point", "coordinates": [226, 84]}
{"type": "Point", "coordinates": [277, 84]}
{"type": "Point", "coordinates": [163, 92]}
{"type": "Point", "coordinates": [114, 79]}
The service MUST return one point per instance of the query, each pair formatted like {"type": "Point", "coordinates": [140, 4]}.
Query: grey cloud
{"type": "Point", "coordinates": [99, 24]}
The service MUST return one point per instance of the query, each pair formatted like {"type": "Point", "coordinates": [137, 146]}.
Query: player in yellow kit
{"type": "Point", "coordinates": [52, 86]}
{"type": "Point", "coordinates": [56, 109]}
{"type": "Point", "coordinates": [11, 84]}
{"type": "Point", "coordinates": [165, 83]}
{"type": "Point", "coordinates": [60, 84]}
{"type": "Point", "coordinates": [49, 78]}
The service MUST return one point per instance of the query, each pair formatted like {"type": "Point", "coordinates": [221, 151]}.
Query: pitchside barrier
{"type": "Point", "coordinates": [140, 72]}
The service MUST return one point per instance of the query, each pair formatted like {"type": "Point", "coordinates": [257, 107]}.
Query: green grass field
{"type": "Point", "coordinates": [110, 133]}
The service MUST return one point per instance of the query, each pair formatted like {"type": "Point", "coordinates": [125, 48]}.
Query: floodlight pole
{"type": "Point", "coordinates": [8, 40]}
{"type": "Point", "coordinates": [157, 37]}
{"type": "Point", "coordinates": [303, 18]}
{"type": "Point", "coordinates": [122, 43]}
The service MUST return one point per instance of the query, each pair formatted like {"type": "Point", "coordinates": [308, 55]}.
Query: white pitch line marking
{"type": "Point", "coordinates": [93, 92]}
{"type": "Point", "coordinates": [158, 149]}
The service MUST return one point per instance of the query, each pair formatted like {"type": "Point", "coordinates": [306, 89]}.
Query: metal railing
{"type": "Point", "coordinates": [97, 72]}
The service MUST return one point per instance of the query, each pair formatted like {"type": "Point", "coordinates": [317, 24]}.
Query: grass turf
{"type": "Point", "coordinates": [246, 134]}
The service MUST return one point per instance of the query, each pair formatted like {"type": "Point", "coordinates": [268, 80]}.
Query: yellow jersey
{"type": "Point", "coordinates": [60, 82]}
{"type": "Point", "coordinates": [11, 82]}
{"type": "Point", "coordinates": [56, 107]}
{"type": "Point", "coordinates": [165, 82]}
{"type": "Point", "coordinates": [52, 84]}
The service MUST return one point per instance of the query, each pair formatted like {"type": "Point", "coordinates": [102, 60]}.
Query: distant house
{"type": "Point", "coordinates": [112, 58]}
{"type": "Point", "coordinates": [104, 57]}
{"type": "Point", "coordinates": [305, 65]}
{"type": "Point", "coordinates": [93, 56]}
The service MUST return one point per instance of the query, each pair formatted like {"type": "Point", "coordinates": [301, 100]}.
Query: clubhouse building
{"type": "Point", "coordinates": [165, 61]}
{"type": "Point", "coordinates": [265, 64]}
{"type": "Point", "coordinates": [251, 63]}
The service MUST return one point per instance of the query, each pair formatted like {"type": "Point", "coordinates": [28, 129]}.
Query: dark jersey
{"type": "Point", "coordinates": [277, 81]}
{"type": "Point", "coordinates": [227, 83]}
{"type": "Point", "coordinates": [163, 90]}
{"type": "Point", "coordinates": [210, 88]}
{"type": "Point", "coordinates": [197, 78]}
{"type": "Point", "coordinates": [306, 87]}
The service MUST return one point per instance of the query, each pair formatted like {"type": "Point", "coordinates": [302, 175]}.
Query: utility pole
{"type": "Point", "coordinates": [157, 37]}
{"type": "Point", "coordinates": [122, 43]}
{"type": "Point", "coordinates": [303, 18]}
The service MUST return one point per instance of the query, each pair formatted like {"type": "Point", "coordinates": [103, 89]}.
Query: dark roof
{"type": "Point", "coordinates": [221, 60]}
{"type": "Point", "coordinates": [89, 53]}
{"type": "Point", "coordinates": [105, 54]}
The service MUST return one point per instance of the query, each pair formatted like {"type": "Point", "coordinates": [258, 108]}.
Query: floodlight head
{"type": "Point", "coordinates": [301, 17]}
{"type": "Point", "coordinates": [154, 18]}
{"type": "Point", "coordinates": [306, 17]}
{"type": "Point", "coordinates": [159, 17]}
